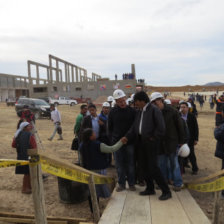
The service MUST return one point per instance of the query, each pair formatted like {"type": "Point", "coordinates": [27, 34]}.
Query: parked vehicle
{"type": "Point", "coordinates": [63, 101]}
{"type": "Point", "coordinates": [40, 108]}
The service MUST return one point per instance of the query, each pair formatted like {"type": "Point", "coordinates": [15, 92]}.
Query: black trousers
{"type": "Point", "coordinates": [148, 161]}
{"type": "Point", "coordinates": [192, 158]}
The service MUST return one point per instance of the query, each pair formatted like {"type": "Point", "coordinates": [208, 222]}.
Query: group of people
{"type": "Point", "coordinates": [145, 135]}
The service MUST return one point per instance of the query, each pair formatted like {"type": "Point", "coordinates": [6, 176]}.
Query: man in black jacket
{"type": "Point", "coordinates": [174, 136]}
{"type": "Point", "coordinates": [193, 132]}
{"type": "Point", "coordinates": [148, 128]}
{"type": "Point", "coordinates": [120, 120]}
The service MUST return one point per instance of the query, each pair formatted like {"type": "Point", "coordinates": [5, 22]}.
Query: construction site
{"type": "Point", "coordinates": [63, 78]}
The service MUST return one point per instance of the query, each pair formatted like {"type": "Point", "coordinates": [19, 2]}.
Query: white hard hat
{"type": "Point", "coordinates": [132, 97]}
{"type": "Point", "coordinates": [167, 101]}
{"type": "Point", "coordinates": [189, 104]}
{"type": "Point", "coordinates": [110, 99]}
{"type": "Point", "coordinates": [113, 103]}
{"type": "Point", "coordinates": [118, 93]}
{"type": "Point", "coordinates": [106, 104]}
{"type": "Point", "coordinates": [184, 151]}
{"type": "Point", "coordinates": [128, 101]}
{"type": "Point", "coordinates": [156, 95]}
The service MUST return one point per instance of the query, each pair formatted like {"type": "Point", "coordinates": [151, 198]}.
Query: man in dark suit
{"type": "Point", "coordinates": [147, 129]}
{"type": "Point", "coordinates": [193, 132]}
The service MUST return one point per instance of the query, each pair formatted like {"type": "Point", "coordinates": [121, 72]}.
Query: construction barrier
{"type": "Point", "coordinates": [54, 167]}
{"type": "Point", "coordinates": [81, 175]}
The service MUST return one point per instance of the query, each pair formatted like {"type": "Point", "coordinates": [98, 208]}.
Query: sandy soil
{"type": "Point", "coordinates": [11, 199]}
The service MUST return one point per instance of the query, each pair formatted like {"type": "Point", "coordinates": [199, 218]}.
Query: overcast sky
{"type": "Point", "coordinates": [171, 42]}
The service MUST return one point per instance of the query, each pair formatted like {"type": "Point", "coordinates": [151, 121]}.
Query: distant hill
{"type": "Point", "coordinates": [214, 84]}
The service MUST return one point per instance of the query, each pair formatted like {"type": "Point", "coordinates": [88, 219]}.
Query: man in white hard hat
{"type": "Point", "coordinates": [110, 99]}
{"type": "Point", "coordinates": [120, 120]}
{"type": "Point", "coordinates": [148, 129]}
{"type": "Point", "coordinates": [174, 136]}
{"type": "Point", "coordinates": [193, 133]}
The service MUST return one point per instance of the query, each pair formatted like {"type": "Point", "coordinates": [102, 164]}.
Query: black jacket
{"type": "Point", "coordinates": [192, 125]}
{"type": "Point", "coordinates": [120, 121]}
{"type": "Point", "coordinates": [87, 123]}
{"type": "Point", "coordinates": [174, 133]}
{"type": "Point", "coordinates": [153, 125]}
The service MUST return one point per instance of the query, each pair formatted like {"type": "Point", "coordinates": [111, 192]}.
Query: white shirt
{"type": "Point", "coordinates": [140, 125]}
{"type": "Point", "coordinates": [55, 116]}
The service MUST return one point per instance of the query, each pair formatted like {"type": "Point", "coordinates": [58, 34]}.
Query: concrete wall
{"type": "Point", "coordinates": [88, 89]}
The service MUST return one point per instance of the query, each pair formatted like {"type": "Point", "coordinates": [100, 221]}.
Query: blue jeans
{"type": "Point", "coordinates": [125, 166]}
{"type": "Point", "coordinates": [170, 168]}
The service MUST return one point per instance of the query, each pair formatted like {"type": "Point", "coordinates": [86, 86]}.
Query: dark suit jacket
{"type": "Point", "coordinates": [87, 123]}
{"type": "Point", "coordinates": [153, 125]}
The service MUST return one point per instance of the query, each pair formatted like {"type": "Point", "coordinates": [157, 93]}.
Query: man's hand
{"type": "Point", "coordinates": [124, 140]}
{"type": "Point", "coordinates": [195, 142]}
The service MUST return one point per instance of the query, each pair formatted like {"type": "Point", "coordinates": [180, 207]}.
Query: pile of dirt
{"type": "Point", "coordinates": [100, 100]}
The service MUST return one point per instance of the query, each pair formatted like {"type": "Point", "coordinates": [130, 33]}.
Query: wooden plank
{"type": "Point", "coordinates": [168, 212]}
{"type": "Point", "coordinates": [114, 209]}
{"type": "Point", "coordinates": [136, 209]}
{"type": "Point", "coordinates": [28, 221]}
{"type": "Point", "coordinates": [57, 218]}
{"type": "Point", "coordinates": [193, 211]}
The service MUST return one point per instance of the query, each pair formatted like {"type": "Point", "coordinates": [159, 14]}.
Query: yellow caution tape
{"type": "Point", "coordinates": [71, 174]}
{"type": "Point", "coordinates": [216, 185]}
{"type": "Point", "coordinates": [11, 162]}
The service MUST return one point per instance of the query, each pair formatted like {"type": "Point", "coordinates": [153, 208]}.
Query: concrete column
{"type": "Point", "coordinates": [68, 73]}
{"type": "Point", "coordinates": [48, 73]}
{"type": "Point", "coordinates": [38, 75]}
{"type": "Point", "coordinates": [76, 74]}
{"type": "Point", "coordinates": [50, 64]}
{"type": "Point", "coordinates": [72, 73]}
{"type": "Point", "coordinates": [57, 72]}
{"type": "Point", "coordinates": [133, 70]}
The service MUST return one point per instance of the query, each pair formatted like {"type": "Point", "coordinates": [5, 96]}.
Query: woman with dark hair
{"type": "Point", "coordinates": [22, 141]}
{"type": "Point", "coordinates": [93, 157]}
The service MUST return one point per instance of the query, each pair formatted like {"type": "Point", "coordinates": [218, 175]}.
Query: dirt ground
{"type": "Point", "coordinates": [12, 200]}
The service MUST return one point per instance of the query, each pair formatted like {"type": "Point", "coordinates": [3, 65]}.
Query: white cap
{"type": "Point", "coordinates": [167, 101]}
{"type": "Point", "coordinates": [110, 99]}
{"type": "Point", "coordinates": [184, 151]}
{"type": "Point", "coordinates": [106, 104]}
{"type": "Point", "coordinates": [118, 93]}
{"type": "Point", "coordinates": [132, 97]}
{"type": "Point", "coordinates": [156, 95]}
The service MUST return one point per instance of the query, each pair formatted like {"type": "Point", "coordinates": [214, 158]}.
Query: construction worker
{"type": "Point", "coordinates": [120, 120]}
{"type": "Point", "coordinates": [219, 111]}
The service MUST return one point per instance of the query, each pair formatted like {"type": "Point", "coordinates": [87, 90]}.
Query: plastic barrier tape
{"type": "Point", "coordinates": [216, 185]}
{"type": "Point", "coordinates": [71, 174]}
{"type": "Point", "coordinates": [10, 162]}
{"type": "Point", "coordinates": [59, 170]}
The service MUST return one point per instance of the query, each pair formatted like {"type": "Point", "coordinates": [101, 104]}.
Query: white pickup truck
{"type": "Point", "coordinates": [62, 101]}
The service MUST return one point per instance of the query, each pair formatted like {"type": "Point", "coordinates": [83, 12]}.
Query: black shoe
{"type": "Point", "coordinates": [147, 192]}
{"type": "Point", "coordinates": [165, 196]}
{"type": "Point", "coordinates": [194, 172]}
